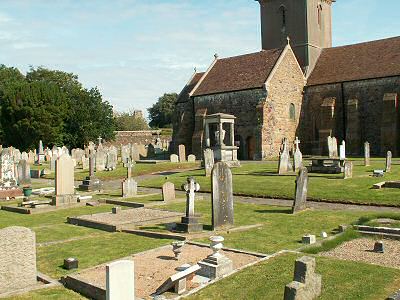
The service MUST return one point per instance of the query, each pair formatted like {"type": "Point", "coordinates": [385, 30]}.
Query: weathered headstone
{"type": "Point", "coordinates": [129, 185]}
{"type": "Point", "coordinates": [222, 196]}
{"type": "Point", "coordinates": [182, 153]}
{"type": "Point", "coordinates": [111, 159]}
{"type": "Point", "coordinates": [298, 156]}
{"type": "Point", "coordinates": [342, 150]}
{"type": "Point", "coordinates": [174, 158]}
{"type": "Point", "coordinates": [135, 154]}
{"type": "Point", "coordinates": [64, 181]}
{"type": "Point", "coordinates": [284, 158]}
{"type": "Point", "coordinates": [8, 176]}
{"type": "Point", "coordinates": [366, 154]}
{"type": "Point", "coordinates": [168, 191]}
{"type": "Point", "coordinates": [306, 285]}
{"type": "Point", "coordinates": [192, 158]}
{"type": "Point", "coordinates": [348, 170]}
{"type": "Point", "coordinates": [125, 153]}
{"type": "Point", "coordinates": [332, 147]}
{"type": "Point", "coordinates": [85, 163]}
{"type": "Point", "coordinates": [208, 161]}
{"type": "Point", "coordinates": [24, 173]}
{"type": "Point", "coordinates": [190, 223]}
{"type": "Point", "coordinates": [388, 161]}
{"type": "Point", "coordinates": [300, 198]}
{"type": "Point", "coordinates": [120, 280]}
{"type": "Point", "coordinates": [17, 259]}
{"type": "Point", "coordinates": [53, 163]}
{"type": "Point", "coordinates": [100, 160]}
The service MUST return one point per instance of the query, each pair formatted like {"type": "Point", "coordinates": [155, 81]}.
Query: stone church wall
{"type": "Point", "coordinates": [280, 113]}
{"type": "Point", "coordinates": [241, 104]}
{"type": "Point", "coordinates": [183, 126]}
{"type": "Point", "coordinates": [360, 114]}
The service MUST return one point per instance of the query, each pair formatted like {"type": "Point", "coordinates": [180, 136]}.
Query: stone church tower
{"type": "Point", "coordinates": [308, 24]}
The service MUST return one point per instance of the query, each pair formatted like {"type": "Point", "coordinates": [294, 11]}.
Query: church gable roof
{"type": "Point", "coordinates": [238, 73]}
{"type": "Point", "coordinates": [368, 60]}
{"type": "Point", "coordinates": [184, 95]}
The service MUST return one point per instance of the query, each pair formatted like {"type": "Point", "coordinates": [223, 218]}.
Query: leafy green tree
{"type": "Point", "coordinates": [130, 121]}
{"type": "Point", "coordinates": [161, 113]}
{"type": "Point", "coordinates": [32, 111]}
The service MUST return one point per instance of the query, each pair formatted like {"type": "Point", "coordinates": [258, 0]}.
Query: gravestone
{"type": "Point", "coordinates": [222, 196]}
{"type": "Point", "coordinates": [41, 156]}
{"type": "Point", "coordinates": [342, 150]}
{"type": "Point", "coordinates": [100, 160]}
{"type": "Point", "coordinates": [120, 280]}
{"type": "Point", "coordinates": [24, 156]}
{"type": "Point", "coordinates": [284, 158]}
{"type": "Point", "coordinates": [182, 153]}
{"type": "Point", "coordinates": [388, 161]}
{"type": "Point", "coordinates": [168, 191]}
{"type": "Point", "coordinates": [64, 181]}
{"type": "Point", "coordinates": [174, 158]}
{"type": "Point", "coordinates": [8, 176]}
{"type": "Point", "coordinates": [125, 153]}
{"type": "Point", "coordinates": [348, 170]}
{"type": "Point", "coordinates": [111, 158]}
{"type": "Point", "coordinates": [366, 154]}
{"type": "Point", "coordinates": [85, 163]}
{"type": "Point", "coordinates": [306, 283]}
{"type": "Point", "coordinates": [190, 223]}
{"type": "Point", "coordinates": [24, 173]}
{"type": "Point", "coordinates": [300, 198]}
{"type": "Point", "coordinates": [208, 161]}
{"type": "Point", "coordinates": [17, 258]}
{"type": "Point", "coordinates": [192, 158]}
{"type": "Point", "coordinates": [135, 154]}
{"type": "Point", "coordinates": [53, 163]}
{"type": "Point", "coordinates": [129, 185]}
{"type": "Point", "coordinates": [332, 147]}
{"type": "Point", "coordinates": [298, 156]}
{"type": "Point", "coordinates": [91, 183]}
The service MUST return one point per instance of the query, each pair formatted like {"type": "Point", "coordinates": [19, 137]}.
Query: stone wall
{"type": "Point", "coordinates": [144, 137]}
{"type": "Point", "coordinates": [280, 112]}
{"type": "Point", "coordinates": [359, 114]}
{"type": "Point", "coordinates": [241, 104]}
{"type": "Point", "coordinates": [183, 126]}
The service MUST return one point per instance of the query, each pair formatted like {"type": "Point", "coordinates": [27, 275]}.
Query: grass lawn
{"type": "Point", "coordinates": [139, 169]}
{"type": "Point", "coordinates": [340, 280]}
{"type": "Point", "coordinates": [279, 229]}
{"type": "Point", "coordinates": [58, 293]}
{"type": "Point", "coordinates": [261, 179]}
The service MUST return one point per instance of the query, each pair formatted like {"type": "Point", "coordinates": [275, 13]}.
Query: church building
{"type": "Point", "coordinates": [297, 85]}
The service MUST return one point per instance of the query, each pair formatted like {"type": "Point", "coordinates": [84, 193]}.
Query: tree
{"type": "Point", "coordinates": [130, 121]}
{"type": "Point", "coordinates": [32, 111]}
{"type": "Point", "coordinates": [161, 113]}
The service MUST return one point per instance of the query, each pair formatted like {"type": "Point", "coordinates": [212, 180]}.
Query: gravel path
{"type": "Point", "coordinates": [361, 250]}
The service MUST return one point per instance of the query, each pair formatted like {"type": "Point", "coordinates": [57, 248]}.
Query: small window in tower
{"type": "Point", "coordinates": [319, 8]}
{"type": "Point", "coordinates": [292, 112]}
{"type": "Point", "coordinates": [282, 11]}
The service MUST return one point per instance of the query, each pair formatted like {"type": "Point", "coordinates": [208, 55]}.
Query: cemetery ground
{"type": "Point", "coordinates": [259, 228]}
{"type": "Point", "coordinates": [260, 179]}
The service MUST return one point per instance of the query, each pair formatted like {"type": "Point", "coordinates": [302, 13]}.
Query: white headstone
{"type": "Point", "coordinates": [120, 280]}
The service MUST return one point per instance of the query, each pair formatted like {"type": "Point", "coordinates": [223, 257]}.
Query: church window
{"type": "Point", "coordinates": [292, 111]}
{"type": "Point", "coordinates": [282, 11]}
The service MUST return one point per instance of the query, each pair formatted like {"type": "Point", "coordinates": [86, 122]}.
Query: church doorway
{"type": "Point", "coordinates": [251, 147]}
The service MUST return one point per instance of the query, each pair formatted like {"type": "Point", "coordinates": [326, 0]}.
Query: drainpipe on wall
{"type": "Point", "coordinates": [344, 111]}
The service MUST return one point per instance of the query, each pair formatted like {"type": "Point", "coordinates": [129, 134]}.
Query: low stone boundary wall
{"type": "Point", "coordinates": [86, 289]}
{"type": "Point", "coordinates": [388, 232]}
{"type": "Point", "coordinates": [158, 235]}
{"type": "Point", "coordinates": [123, 203]}
{"type": "Point", "coordinates": [92, 224]}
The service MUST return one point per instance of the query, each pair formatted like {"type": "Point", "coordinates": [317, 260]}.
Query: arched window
{"type": "Point", "coordinates": [319, 9]}
{"type": "Point", "coordinates": [283, 13]}
{"type": "Point", "coordinates": [292, 112]}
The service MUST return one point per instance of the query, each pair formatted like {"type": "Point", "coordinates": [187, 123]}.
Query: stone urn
{"type": "Point", "coordinates": [177, 248]}
{"type": "Point", "coordinates": [216, 245]}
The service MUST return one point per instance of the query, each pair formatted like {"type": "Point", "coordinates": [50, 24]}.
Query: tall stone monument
{"type": "Point", "coordinates": [306, 283]}
{"type": "Point", "coordinates": [208, 161]}
{"type": "Point", "coordinates": [191, 222]}
{"type": "Point", "coordinates": [222, 196]}
{"type": "Point", "coordinates": [284, 158]}
{"type": "Point", "coordinates": [129, 185]}
{"type": "Point", "coordinates": [367, 162]}
{"type": "Point", "coordinates": [17, 259]}
{"type": "Point", "coordinates": [64, 181]}
{"type": "Point", "coordinates": [388, 166]}
{"type": "Point", "coordinates": [8, 176]}
{"type": "Point", "coordinates": [182, 153]}
{"type": "Point", "coordinates": [300, 198]}
{"type": "Point", "coordinates": [91, 183]}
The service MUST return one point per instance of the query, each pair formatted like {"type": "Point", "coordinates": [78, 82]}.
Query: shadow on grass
{"type": "Point", "coordinates": [274, 211]}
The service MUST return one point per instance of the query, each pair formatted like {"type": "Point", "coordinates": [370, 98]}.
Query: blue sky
{"type": "Point", "coordinates": [134, 51]}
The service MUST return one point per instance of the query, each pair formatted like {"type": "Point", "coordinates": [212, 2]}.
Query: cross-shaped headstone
{"type": "Point", "coordinates": [190, 187]}
{"type": "Point", "coordinates": [99, 139]}
{"type": "Point", "coordinates": [296, 143]}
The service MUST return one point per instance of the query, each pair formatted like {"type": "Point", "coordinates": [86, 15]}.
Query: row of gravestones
{"type": "Point", "coordinates": [181, 157]}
